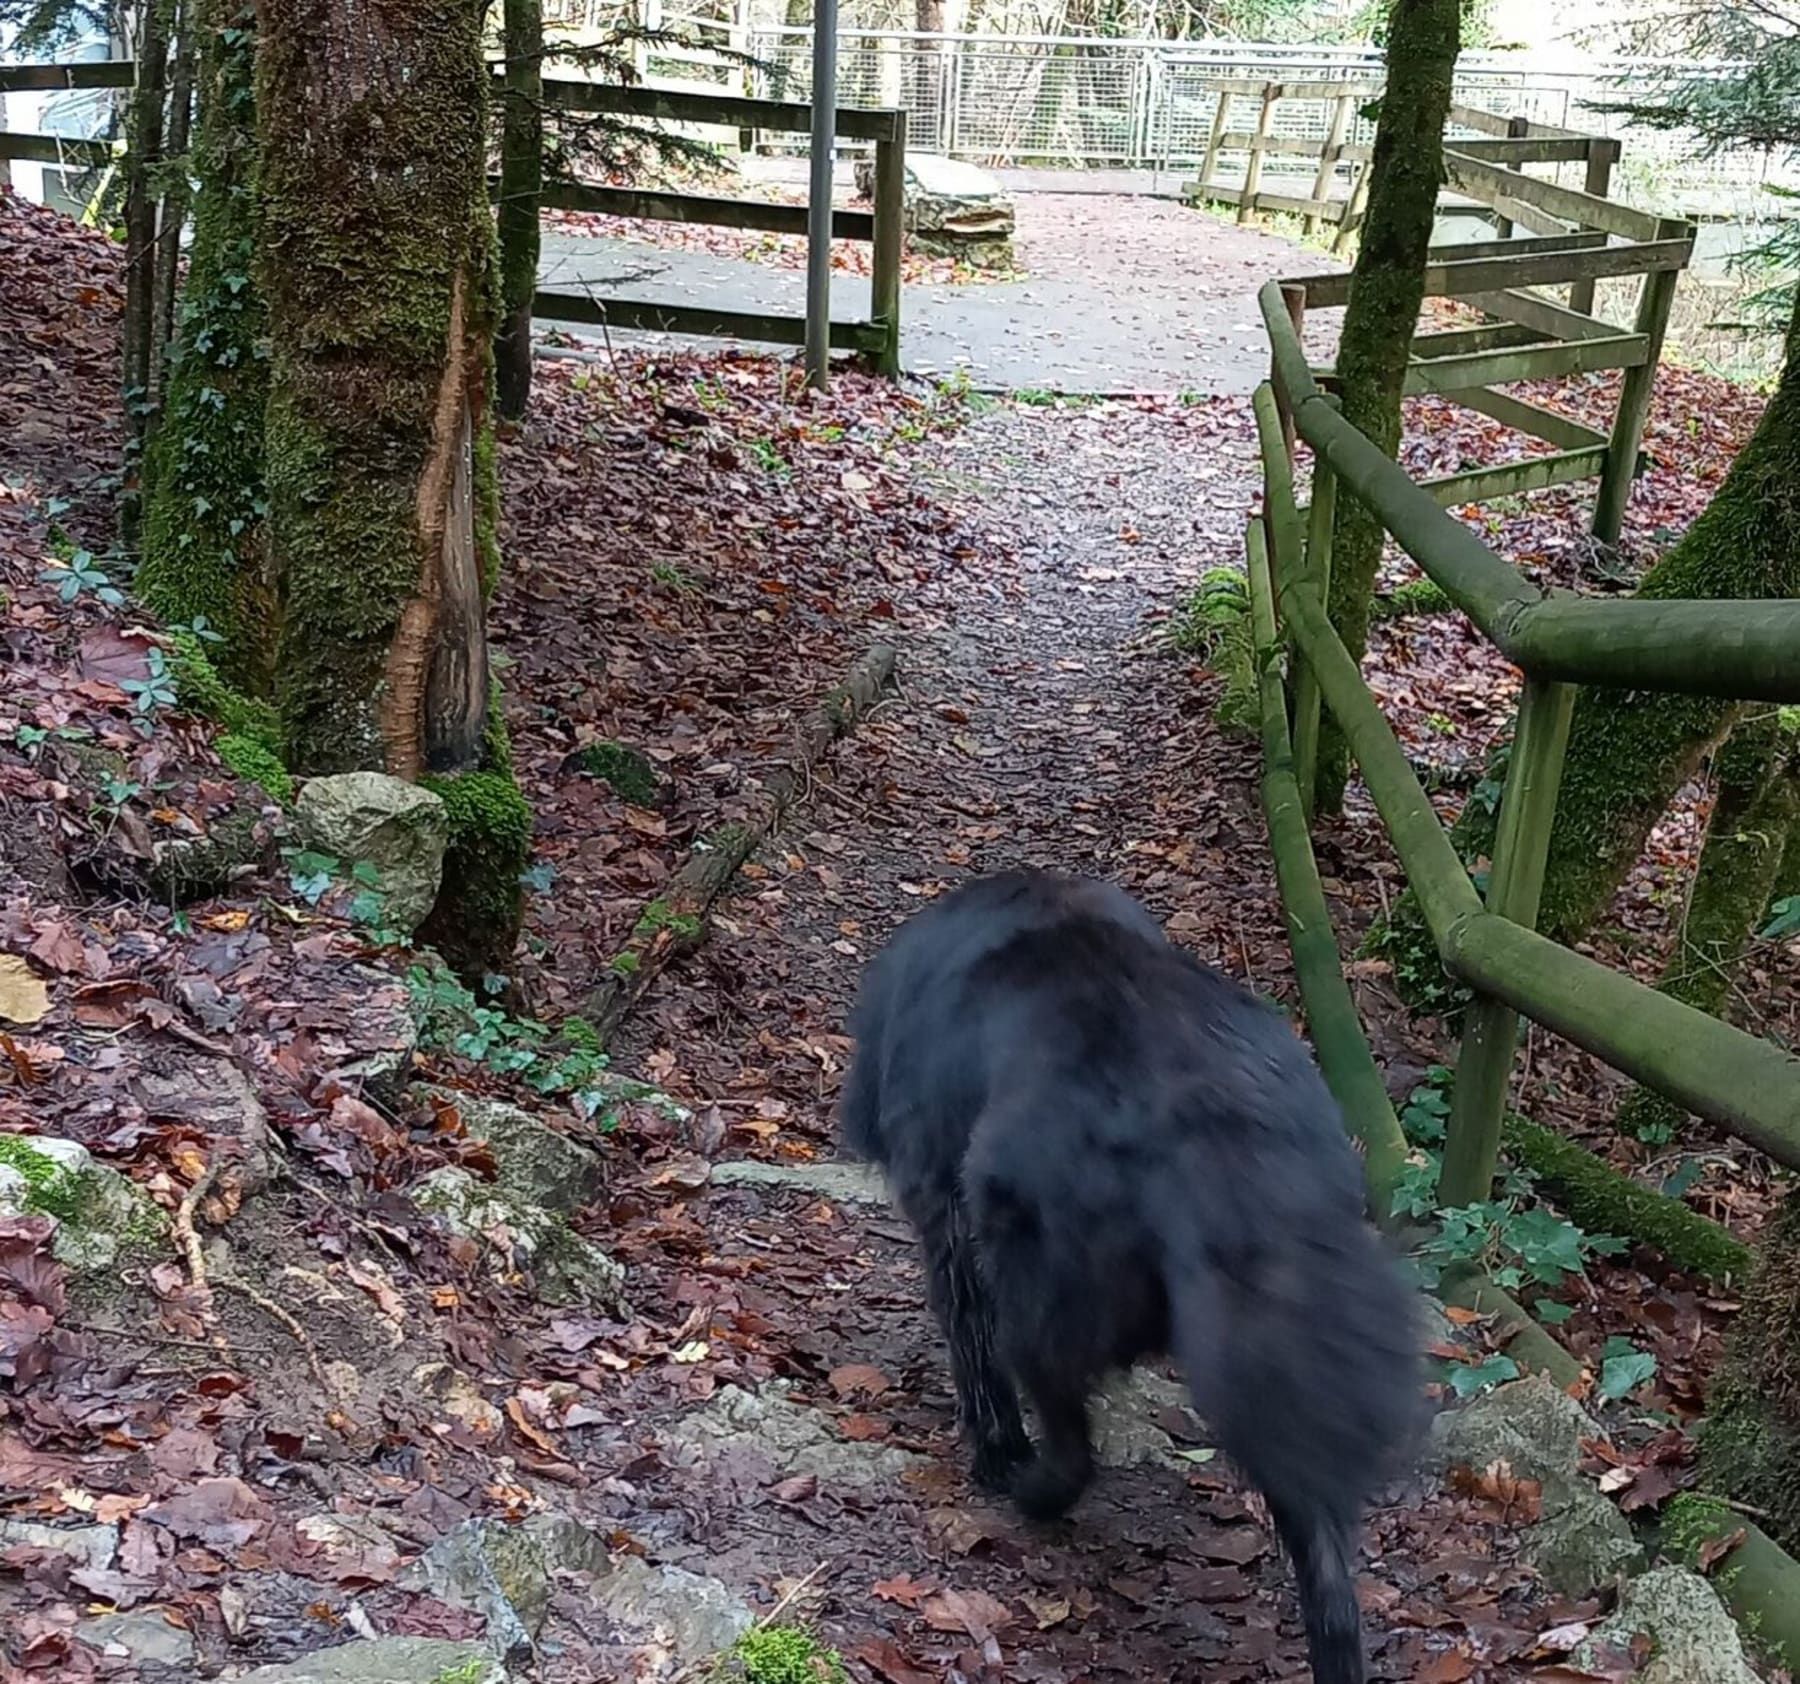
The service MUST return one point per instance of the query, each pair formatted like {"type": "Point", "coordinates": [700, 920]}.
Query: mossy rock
{"type": "Point", "coordinates": [100, 1214]}
{"type": "Point", "coordinates": [630, 775]}
{"type": "Point", "coordinates": [476, 921]}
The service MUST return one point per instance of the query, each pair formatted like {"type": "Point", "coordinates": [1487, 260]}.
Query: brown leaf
{"type": "Point", "coordinates": [23, 998]}
{"type": "Point", "coordinates": [1451, 1667]}
{"type": "Point", "coordinates": [887, 1660]}
{"type": "Point", "coordinates": [904, 1589]}
{"type": "Point", "coordinates": [110, 656]}
{"type": "Point", "coordinates": [515, 1411]}
{"type": "Point", "coordinates": [973, 1612]}
{"type": "Point", "coordinates": [1714, 1550]}
{"type": "Point", "coordinates": [799, 1489]}
{"type": "Point", "coordinates": [858, 1379]}
{"type": "Point", "coordinates": [58, 948]}
{"type": "Point", "coordinates": [1520, 1501]}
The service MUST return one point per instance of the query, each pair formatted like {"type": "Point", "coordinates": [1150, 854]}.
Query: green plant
{"type": "Point", "coordinates": [1784, 920]}
{"type": "Point", "coordinates": [1623, 1368]}
{"type": "Point", "coordinates": [658, 915]}
{"type": "Point", "coordinates": [772, 1654]}
{"type": "Point", "coordinates": [155, 690]}
{"type": "Point", "coordinates": [79, 573]}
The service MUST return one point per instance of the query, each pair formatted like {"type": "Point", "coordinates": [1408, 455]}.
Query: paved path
{"type": "Point", "coordinates": [1123, 294]}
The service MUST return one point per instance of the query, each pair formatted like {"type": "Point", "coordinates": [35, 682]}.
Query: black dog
{"type": "Point", "coordinates": [1110, 1151]}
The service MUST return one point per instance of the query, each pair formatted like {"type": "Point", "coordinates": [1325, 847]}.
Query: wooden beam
{"type": "Point", "coordinates": [1457, 251]}
{"type": "Point", "coordinates": [1529, 418]}
{"type": "Point", "coordinates": [1549, 319]}
{"type": "Point", "coordinates": [56, 149]}
{"type": "Point", "coordinates": [1509, 479]}
{"type": "Point", "coordinates": [655, 205]}
{"type": "Point", "coordinates": [703, 321]}
{"type": "Point", "coordinates": [1486, 181]}
{"type": "Point", "coordinates": [1540, 268]}
{"type": "Point", "coordinates": [1524, 149]}
{"type": "Point", "coordinates": [1253, 171]}
{"type": "Point", "coordinates": [1455, 342]}
{"type": "Point", "coordinates": [55, 78]}
{"type": "Point", "coordinates": [731, 111]}
{"type": "Point", "coordinates": [1528, 362]}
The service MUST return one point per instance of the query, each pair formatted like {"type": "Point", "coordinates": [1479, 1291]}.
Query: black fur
{"type": "Point", "coordinates": [1110, 1151]}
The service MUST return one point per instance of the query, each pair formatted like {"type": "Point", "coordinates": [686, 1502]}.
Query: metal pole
{"type": "Point", "coordinates": [818, 201]}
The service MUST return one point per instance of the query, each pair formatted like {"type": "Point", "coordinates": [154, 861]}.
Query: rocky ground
{"type": "Point", "coordinates": [367, 1332]}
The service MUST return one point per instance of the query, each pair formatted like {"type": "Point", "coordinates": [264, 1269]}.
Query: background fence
{"type": "Point", "coordinates": [1055, 101]}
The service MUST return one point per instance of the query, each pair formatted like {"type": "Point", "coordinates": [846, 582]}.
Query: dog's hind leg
{"type": "Point", "coordinates": [959, 1298]}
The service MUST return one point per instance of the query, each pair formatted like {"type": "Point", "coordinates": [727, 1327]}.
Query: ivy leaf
{"type": "Point", "coordinates": [1624, 1371]}
{"type": "Point", "coordinates": [1466, 1379]}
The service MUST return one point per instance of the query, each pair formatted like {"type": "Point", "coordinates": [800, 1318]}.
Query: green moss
{"type": "Point", "coordinates": [476, 921]}
{"type": "Point", "coordinates": [1750, 1440]}
{"type": "Point", "coordinates": [253, 762]}
{"type": "Point", "coordinates": [1598, 1198]}
{"type": "Point", "coordinates": [1413, 600]}
{"type": "Point", "coordinates": [783, 1655]}
{"type": "Point", "coordinates": [1689, 1522]}
{"type": "Point", "coordinates": [624, 964]}
{"type": "Point", "coordinates": [204, 496]}
{"type": "Point", "coordinates": [49, 1188]}
{"type": "Point", "coordinates": [1213, 624]}
{"type": "Point", "coordinates": [630, 774]}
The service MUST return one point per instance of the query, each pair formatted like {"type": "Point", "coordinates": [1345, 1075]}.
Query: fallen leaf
{"type": "Point", "coordinates": [858, 1379]}
{"type": "Point", "coordinates": [23, 998]}
{"type": "Point", "coordinates": [972, 1612]}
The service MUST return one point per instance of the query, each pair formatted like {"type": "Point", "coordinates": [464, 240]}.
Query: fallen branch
{"type": "Point", "coordinates": [187, 1236]}
{"type": "Point", "coordinates": [675, 922]}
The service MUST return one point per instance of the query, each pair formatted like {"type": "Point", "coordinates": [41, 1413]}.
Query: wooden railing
{"type": "Point", "coordinates": [878, 337]}
{"type": "Point", "coordinates": [1748, 1086]}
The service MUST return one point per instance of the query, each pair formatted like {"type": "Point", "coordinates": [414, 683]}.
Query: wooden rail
{"type": "Point", "coordinates": [878, 338]}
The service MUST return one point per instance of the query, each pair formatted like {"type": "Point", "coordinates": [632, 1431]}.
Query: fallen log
{"type": "Point", "coordinates": [675, 922]}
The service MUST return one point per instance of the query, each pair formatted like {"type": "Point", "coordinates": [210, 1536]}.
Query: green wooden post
{"type": "Point", "coordinates": [1484, 1064]}
{"type": "Point", "coordinates": [1603, 154]}
{"type": "Point", "coordinates": [890, 242]}
{"type": "Point", "coordinates": [1654, 305]}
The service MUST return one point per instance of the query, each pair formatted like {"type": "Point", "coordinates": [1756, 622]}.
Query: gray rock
{"type": "Point", "coordinates": [567, 1268]}
{"type": "Point", "coordinates": [92, 1547]}
{"type": "Point", "coordinates": [386, 1033]}
{"type": "Point", "coordinates": [538, 1165]}
{"type": "Point", "coordinates": [387, 1660]}
{"type": "Point", "coordinates": [847, 1183]}
{"type": "Point", "coordinates": [1122, 1420]}
{"type": "Point", "coordinates": [1693, 1638]}
{"type": "Point", "coordinates": [1581, 1540]}
{"type": "Point", "coordinates": [683, 1618]}
{"type": "Point", "coordinates": [144, 1634]}
{"type": "Point", "coordinates": [100, 1214]}
{"type": "Point", "coordinates": [457, 1396]}
{"type": "Point", "coordinates": [504, 1573]}
{"type": "Point", "coordinates": [397, 827]}
{"type": "Point", "coordinates": [796, 1439]}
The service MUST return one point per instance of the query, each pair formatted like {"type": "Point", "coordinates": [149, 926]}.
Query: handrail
{"type": "Point", "coordinates": [1744, 649]}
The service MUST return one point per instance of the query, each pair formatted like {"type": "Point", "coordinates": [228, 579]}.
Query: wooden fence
{"type": "Point", "coordinates": [1747, 1086]}
{"type": "Point", "coordinates": [877, 338]}
{"type": "Point", "coordinates": [1521, 331]}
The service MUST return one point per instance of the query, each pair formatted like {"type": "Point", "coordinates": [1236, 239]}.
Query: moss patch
{"type": "Point", "coordinates": [630, 775]}
{"type": "Point", "coordinates": [476, 921]}
{"type": "Point", "coordinates": [50, 1188]}
{"type": "Point", "coordinates": [253, 762]}
{"type": "Point", "coordinates": [1213, 623]}
{"type": "Point", "coordinates": [1414, 599]}
{"type": "Point", "coordinates": [782, 1655]}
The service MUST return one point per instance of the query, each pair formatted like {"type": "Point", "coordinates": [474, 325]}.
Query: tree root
{"type": "Point", "coordinates": [675, 922]}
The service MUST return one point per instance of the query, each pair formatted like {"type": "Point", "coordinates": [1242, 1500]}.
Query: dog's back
{"type": "Point", "coordinates": [1150, 1161]}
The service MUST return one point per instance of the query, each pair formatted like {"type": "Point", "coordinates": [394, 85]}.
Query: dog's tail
{"type": "Point", "coordinates": [1323, 1553]}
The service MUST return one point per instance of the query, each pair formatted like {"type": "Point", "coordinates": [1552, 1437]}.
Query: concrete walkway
{"type": "Point", "coordinates": [1123, 294]}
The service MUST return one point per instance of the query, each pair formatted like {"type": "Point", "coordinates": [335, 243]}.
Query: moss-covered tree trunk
{"type": "Point", "coordinates": [204, 551]}
{"type": "Point", "coordinates": [1386, 291]}
{"type": "Point", "coordinates": [521, 183]}
{"type": "Point", "coordinates": [143, 165]}
{"type": "Point", "coordinates": [377, 261]}
{"type": "Point", "coordinates": [1750, 1440]}
{"type": "Point", "coordinates": [172, 209]}
{"type": "Point", "coordinates": [1746, 835]}
{"type": "Point", "coordinates": [1629, 752]}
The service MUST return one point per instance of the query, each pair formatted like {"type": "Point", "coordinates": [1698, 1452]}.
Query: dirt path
{"type": "Point", "coordinates": [1037, 724]}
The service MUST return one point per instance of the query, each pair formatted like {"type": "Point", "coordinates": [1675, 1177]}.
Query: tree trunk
{"type": "Point", "coordinates": [521, 182]}
{"type": "Point", "coordinates": [1386, 292]}
{"type": "Point", "coordinates": [1750, 1440]}
{"type": "Point", "coordinates": [377, 261]}
{"type": "Point", "coordinates": [204, 500]}
{"type": "Point", "coordinates": [1629, 752]}
{"type": "Point", "coordinates": [1752, 815]}
{"type": "Point", "coordinates": [171, 213]}
{"type": "Point", "coordinates": [143, 162]}
{"type": "Point", "coordinates": [928, 89]}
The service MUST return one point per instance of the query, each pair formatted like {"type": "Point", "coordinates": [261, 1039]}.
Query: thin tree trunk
{"type": "Point", "coordinates": [521, 183]}
{"type": "Point", "coordinates": [205, 495]}
{"type": "Point", "coordinates": [144, 151]}
{"type": "Point", "coordinates": [1386, 291]}
{"type": "Point", "coordinates": [171, 214]}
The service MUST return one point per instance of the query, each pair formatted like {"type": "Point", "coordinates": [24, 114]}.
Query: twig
{"type": "Point", "coordinates": [793, 1591]}
{"type": "Point", "coordinates": [134, 1336]}
{"type": "Point", "coordinates": [302, 1338]}
{"type": "Point", "coordinates": [189, 1239]}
